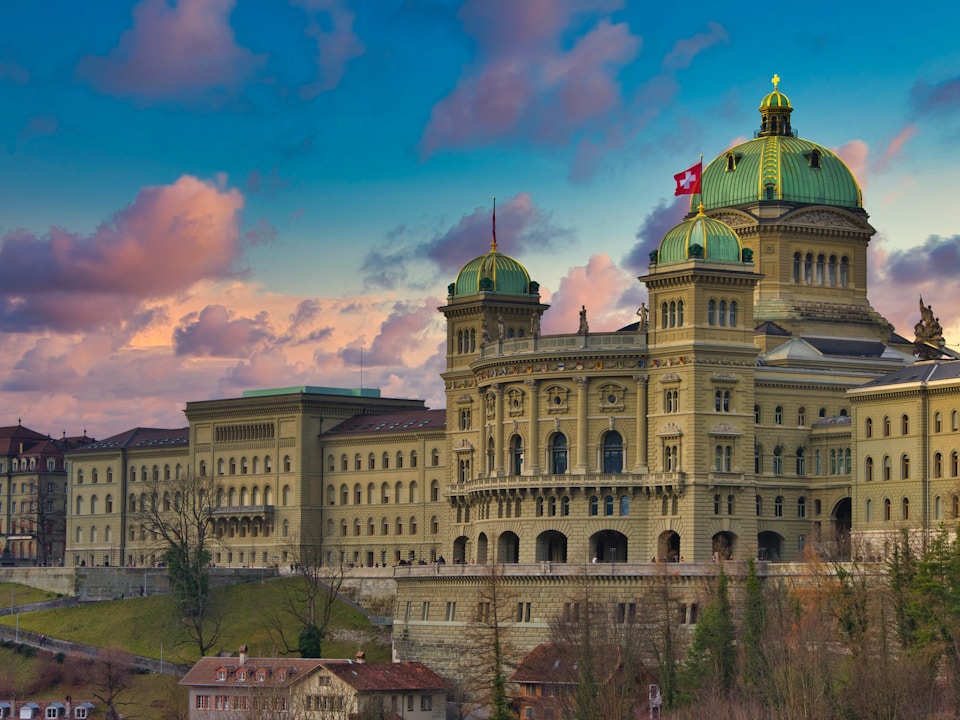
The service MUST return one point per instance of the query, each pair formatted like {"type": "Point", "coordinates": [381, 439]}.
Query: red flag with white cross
{"type": "Point", "coordinates": [688, 182]}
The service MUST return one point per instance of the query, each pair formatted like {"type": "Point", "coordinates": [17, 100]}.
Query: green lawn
{"type": "Point", "coordinates": [16, 594]}
{"type": "Point", "coordinates": [145, 625]}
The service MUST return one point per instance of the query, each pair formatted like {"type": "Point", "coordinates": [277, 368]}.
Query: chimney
{"type": "Point", "coordinates": [13, 706]}
{"type": "Point", "coordinates": [361, 657]}
{"type": "Point", "coordinates": [243, 654]}
{"type": "Point", "coordinates": [68, 712]}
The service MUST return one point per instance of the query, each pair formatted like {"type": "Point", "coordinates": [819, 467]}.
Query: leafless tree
{"type": "Point", "coordinates": [179, 513]}
{"type": "Point", "coordinates": [310, 600]}
{"type": "Point", "coordinates": [111, 680]}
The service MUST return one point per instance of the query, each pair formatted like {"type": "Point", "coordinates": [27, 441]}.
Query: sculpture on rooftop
{"type": "Point", "coordinates": [928, 334]}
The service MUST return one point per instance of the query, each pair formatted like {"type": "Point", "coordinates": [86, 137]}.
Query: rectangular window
{"type": "Point", "coordinates": [426, 702]}
{"type": "Point", "coordinates": [410, 703]}
{"type": "Point", "coordinates": [202, 702]}
{"type": "Point", "coordinates": [425, 611]}
{"type": "Point", "coordinates": [523, 612]}
{"type": "Point", "coordinates": [451, 612]}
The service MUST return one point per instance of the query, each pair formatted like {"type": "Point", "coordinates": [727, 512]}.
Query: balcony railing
{"type": "Point", "coordinates": [244, 510]}
{"type": "Point", "coordinates": [675, 480]}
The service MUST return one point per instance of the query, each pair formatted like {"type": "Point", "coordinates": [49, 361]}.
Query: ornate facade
{"type": "Point", "coordinates": [716, 426]}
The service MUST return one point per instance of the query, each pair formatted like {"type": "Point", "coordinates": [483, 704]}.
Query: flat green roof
{"type": "Point", "coordinates": [313, 390]}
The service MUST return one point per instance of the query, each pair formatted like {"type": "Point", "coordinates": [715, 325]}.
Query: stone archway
{"type": "Point", "coordinates": [724, 545]}
{"type": "Point", "coordinates": [841, 520]}
{"type": "Point", "coordinates": [609, 546]}
{"type": "Point", "coordinates": [768, 545]}
{"type": "Point", "coordinates": [552, 546]}
{"type": "Point", "coordinates": [460, 549]}
{"type": "Point", "coordinates": [482, 548]}
{"type": "Point", "coordinates": [668, 546]}
{"type": "Point", "coordinates": [508, 547]}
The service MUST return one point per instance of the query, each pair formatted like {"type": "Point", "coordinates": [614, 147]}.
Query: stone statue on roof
{"type": "Point", "coordinates": [928, 332]}
{"type": "Point", "coordinates": [584, 326]}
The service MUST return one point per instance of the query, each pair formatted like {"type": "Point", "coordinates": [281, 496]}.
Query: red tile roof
{"type": "Point", "coordinates": [207, 671]}
{"type": "Point", "coordinates": [373, 677]}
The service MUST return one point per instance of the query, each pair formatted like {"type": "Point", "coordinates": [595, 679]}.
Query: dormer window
{"type": "Point", "coordinates": [731, 162]}
{"type": "Point", "coordinates": [815, 159]}
{"type": "Point", "coordinates": [221, 675]}
{"type": "Point", "coordinates": [241, 674]}
{"type": "Point", "coordinates": [261, 676]}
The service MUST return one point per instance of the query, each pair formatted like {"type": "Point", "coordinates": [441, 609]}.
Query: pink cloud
{"type": "Point", "coordinates": [167, 239]}
{"type": "Point", "coordinates": [684, 51]}
{"type": "Point", "coordinates": [336, 46]}
{"type": "Point", "coordinates": [895, 147]}
{"type": "Point", "coordinates": [173, 51]}
{"type": "Point", "coordinates": [855, 154]}
{"type": "Point", "coordinates": [213, 332]}
{"type": "Point", "coordinates": [524, 82]}
{"type": "Point", "coordinates": [402, 333]}
{"type": "Point", "coordinates": [610, 295]}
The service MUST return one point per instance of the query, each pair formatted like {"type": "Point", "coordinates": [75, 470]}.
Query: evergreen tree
{"type": "Point", "coordinates": [754, 629]}
{"type": "Point", "coordinates": [712, 660]}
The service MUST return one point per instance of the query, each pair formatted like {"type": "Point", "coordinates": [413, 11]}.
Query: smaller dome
{"type": "Point", "coordinates": [493, 272]}
{"type": "Point", "coordinates": [700, 237]}
{"type": "Point", "coordinates": [776, 99]}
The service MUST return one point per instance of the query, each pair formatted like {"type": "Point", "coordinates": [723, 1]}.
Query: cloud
{"type": "Point", "coordinates": [167, 239]}
{"type": "Point", "coordinates": [523, 82]}
{"type": "Point", "coordinates": [331, 26]}
{"type": "Point", "coordinates": [12, 72]}
{"type": "Point", "coordinates": [899, 276]}
{"type": "Point", "coordinates": [402, 333]}
{"type": "Point", "coordinates": [213, 332]}
{"type": "Point", "coordinates": [260, 233]}
{"type": "Point", "coordinates": [895, 147]}
{"type": "Point", "coordinates": [855, 154]}
{"type": "Point", "coordinates": [610, 295]}
{"type": "Point", "coordinates": [174, 51]}
{"type": "Point", "coordinates": [520, 225]}
{"type": "Point", "coordinates": [938, 98]}
{"type": "Point", "coordinates": [658, 221]}
{"type": "Point", "coordinates": [267, 184]}
{"type": "Point", "coordinates": [684, 51]}
{"type": "Point", "coordinates": [39, 126]}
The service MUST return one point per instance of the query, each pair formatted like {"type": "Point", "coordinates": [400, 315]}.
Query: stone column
{"type": "Point", "coordinates": [498, 431]}
{"type": "Point", "coordinates": [642, 404]}
{"type": "Point", "coordinates": [582, 460]}
{"type": "Point", "coordinates": [533, 446]}
{"type": "Point", "coordinates": [482, 443]}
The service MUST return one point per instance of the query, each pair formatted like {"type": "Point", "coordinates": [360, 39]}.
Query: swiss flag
{"type": "Point", "coordinates": [688, 182]}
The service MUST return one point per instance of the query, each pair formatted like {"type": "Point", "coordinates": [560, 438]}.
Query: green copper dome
{"type": "Point", "coordinates": [493, 272]}
{"type": "Point", "coordinates": [777, 166]}
{"type": "Point", "coordinates": [700, 237]}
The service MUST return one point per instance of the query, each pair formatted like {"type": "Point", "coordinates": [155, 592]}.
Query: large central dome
{"type": "Point", "coordinates": [777, 166]}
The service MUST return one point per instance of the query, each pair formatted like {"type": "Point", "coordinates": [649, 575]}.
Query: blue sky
{"type": "Point", "coordinates": [203, 197]}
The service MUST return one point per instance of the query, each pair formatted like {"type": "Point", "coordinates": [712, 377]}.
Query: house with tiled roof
{"type": "Point", "coordinates": [33, 495]}
{"type": "Point", "coordinates": [47, 709]}
{"type": "Point", "coordinates": [305, 688]}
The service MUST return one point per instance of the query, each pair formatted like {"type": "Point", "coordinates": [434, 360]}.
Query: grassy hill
{"type": "Point", "coordinates": [147, 626]}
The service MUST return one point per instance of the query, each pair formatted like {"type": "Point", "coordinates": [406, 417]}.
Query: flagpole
{"type": "Point", "coordinates": [700, 209]}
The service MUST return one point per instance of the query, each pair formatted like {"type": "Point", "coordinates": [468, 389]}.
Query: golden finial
{"type": "Point", "coordinates": [493, 245]}
{"type": "Point", "coordinates": [700, 208]}
{"type": "Point", "coordinates": [776, 81]}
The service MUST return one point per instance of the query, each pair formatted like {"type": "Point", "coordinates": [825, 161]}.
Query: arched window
{"type": "Point", "coordinates": [516, 455]}
{"type": "Point", "coordinates": [905, 508]}
{"type": "Point", "coordinates": [904, 425]}
{"type": "Point", "coordinates": [624, 505]}
{"type": "Point", "coordinates": [413, 458]}
{"type": "Point", "coordinates": [778, 415]}
{"type": "Point", "coordinates": [868, 428]}
{"type": "Point", "coordinates": [434, 457]}
{"type": "Point", "coordinates": [937, 424]}
{"type": "Point", "coordinates": [371, 461]}
{"type": "Point", "coordinates": [905, 467]}
{"type": "Point", "coordinates": [886, 509]}
{"type": "Point", "coordinates": [712, 312]}
{"type": "Point", "coordinates": [716, 504]}
{"type": "Point", "coordinates": [673, 314]}
{"type": "Point", "coordinates": [954, 462]}
{"type": "Point", "coordinates": [730, 504]}
{"type": "Point", "coordinates": [399, 460]}
{"type": "Point", "coordinates": [608, 505]}
{"type": "Point", "coordinates": [869, 509]}
{"type": "Point", "coordinates": [869, 469]}
{"type": "Point", "coordinates": [664, 315]}
{"type": "Point", "coordinates": [385, 461]}
{"type": "Point", "coordinates": [287, 465]}
{"type": "Point", "coordinates": [801, 462]}
{"type": "Point", "coordinates": [757, 459]}
{"type": "Point", "coordinates": [821, 259]}
{"type": "Point", "coordinates": [844, 271]}
{"type": "Point", "coordinates": [801, 507]}
{"type": "Point", "coordinates": [886, 426]}
{"type": "Point", "coordinates": [733, 313]}
{"type": "Point", "coordinates": [937, 465]}
{"type": "Point", "coordinates": [594, 505]}
{"type": "Point", "coordinates": [344, 462]}
{"type": "Point", "coordinates": [756, 414]}
{"type": "Point", "coordinates": [797, 261]}
{"type": "Point", "coordinates": [558, 454]}
{"type": "Point", "coordinates": [539, 508]}
{"type": "Point", "coordinates": [778, 506]}
{"type": "Point", "coordinates": [612, 452]}
{"type": "Point", "coordinates": [887, 467]}
{"type": "Point", "coordinates": [778, 460]}
{"type": "Point", "coordinates": [759, 502]}
{"type": "Point", "coordinates": [832, 271]}
{"type": "Point", "coordinates": [680, 313]}
{"type": "Point", "coordinates": [357, 462]}
{"type": "Point", "coordinates": [801, 416]}
{"type": "Point", "coordinates": [808, 269]}
{"type": "Point", "coordinates": [722, 313]}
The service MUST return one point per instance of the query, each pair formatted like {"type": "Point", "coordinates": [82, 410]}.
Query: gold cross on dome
{"type": "Point", "coordinates": [775, 80]}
